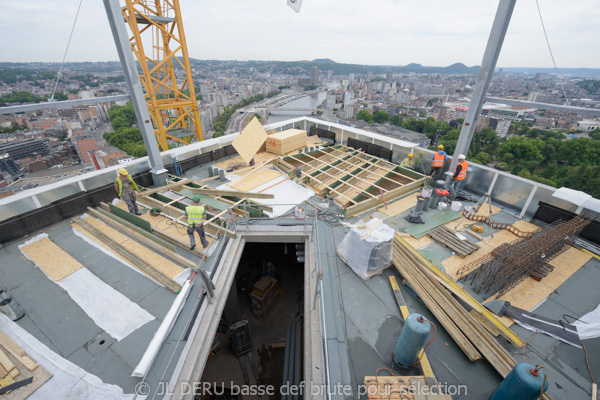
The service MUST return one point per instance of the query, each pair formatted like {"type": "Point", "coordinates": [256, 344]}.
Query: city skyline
{"type": "Point", "coordinates": [440, 34]}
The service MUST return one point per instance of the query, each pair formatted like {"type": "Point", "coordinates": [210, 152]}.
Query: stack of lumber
{"type": "Point", "coordinates": [447, 238]}
{"type": "Point", "coordinates": [432, 286]}
{"type": "Point", "coordinates": [399, 388]}
{"type": "Point", "coordinates": [286, 141]}
{"type": "Point", "coordinates": [16, 363]}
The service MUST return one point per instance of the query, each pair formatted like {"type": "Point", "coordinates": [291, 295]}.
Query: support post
{"type": "Point", "coordinates": [486, 71]}
{"type": "Point", "coordinates": [117, 26]}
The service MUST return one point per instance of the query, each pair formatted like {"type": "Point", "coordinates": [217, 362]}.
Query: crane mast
{"type": "Point", "coordinates": [158, 43]}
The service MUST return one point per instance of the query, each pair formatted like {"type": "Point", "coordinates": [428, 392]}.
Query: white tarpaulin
{"type": "Point", "coordinates": [588, 326]}
{"type": "Point", "coordinates": [68, 382]}
{"type": "Point", "coordinates": [370, 255]}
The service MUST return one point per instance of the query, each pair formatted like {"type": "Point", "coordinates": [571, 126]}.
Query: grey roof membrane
{"type": "Point", "coordinates": [362, 319]}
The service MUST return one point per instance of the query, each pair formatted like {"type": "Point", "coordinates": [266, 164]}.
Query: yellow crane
{"type": "Point", "coordinates": [171, 102]}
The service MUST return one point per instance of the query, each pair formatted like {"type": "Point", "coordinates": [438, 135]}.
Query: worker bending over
{"type": "Point", "coordinates": [407, 162]}
{"type": "Point", "coordinates": [195, 217]}
{"type": "Point", "coordinates": [126, 188]}
{"type": "Point", "coordinates": [460, 173]}
{"type": "Point", "coordinates": [439, 158]}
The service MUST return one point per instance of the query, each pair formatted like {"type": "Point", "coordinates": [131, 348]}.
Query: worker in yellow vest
{"type": "Point", "coordinates": [126, 188]}
{"type": "Point", "coordinates": [407, 162]}
{"type": "Point", "coordinates": [439, 158]}
{"type": "Point", "coordinates": [460, 173]}
{"type": "Point", "coordinates": [195, 217]}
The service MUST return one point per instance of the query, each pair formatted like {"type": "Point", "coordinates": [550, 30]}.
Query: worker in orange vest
{"type": "Point", "coordinates": [460, 173]}
{"type": "Point", "coordinates": [439, 158]}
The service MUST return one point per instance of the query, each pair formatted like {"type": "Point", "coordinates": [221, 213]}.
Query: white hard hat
{"type": "Point", "coordinates": [462, 157]}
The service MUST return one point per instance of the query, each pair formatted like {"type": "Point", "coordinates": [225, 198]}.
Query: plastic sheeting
{"type": "Point", "coordinates": [163, 330]}
{"type": "Point", "coordinates": [588, 326]}
{"type": "Point", "coordinates": [69, 382]}
{"type": "Point", "coordinates": [371, 255]}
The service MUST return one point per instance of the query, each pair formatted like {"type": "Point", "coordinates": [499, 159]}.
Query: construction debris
{"type": "Point", "coordinates": [508, 265]}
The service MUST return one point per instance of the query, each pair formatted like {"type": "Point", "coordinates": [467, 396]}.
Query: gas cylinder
{"type": "Point", "coordinates": [411, 340]}
{"type": "Point", "coordinates": [524, 382]}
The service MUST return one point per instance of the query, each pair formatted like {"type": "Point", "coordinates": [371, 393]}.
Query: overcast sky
{"type": "Point", "coordinates": [375, 32]}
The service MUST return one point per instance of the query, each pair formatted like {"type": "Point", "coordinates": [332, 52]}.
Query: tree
{"type": "Point", "coordinates": [595, 134]}
{"type": "Point", "coordinates": [365, 116]}
{"type": "Point", "coordinates": [396, 120]}
{"type": "Point", "coordinates": [381, 117]}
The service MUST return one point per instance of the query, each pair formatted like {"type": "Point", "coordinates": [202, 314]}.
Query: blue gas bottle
{"type": "Point", "coordinates": [411, 340]}
{"type": "Point", "coordinates": [524, 382]}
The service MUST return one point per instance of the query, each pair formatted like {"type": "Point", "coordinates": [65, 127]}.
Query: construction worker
{"type": "Point", "coordinates": [270, 270]}
{"type": "Point", "coordinates": [460, 173]}
{"type": "Point", "coordinates": [407, 162]}
{"type": "Point", "coordinates": [439, 158]}
{"type": "Point", "coordinates": [195, 217]}
{"type": "Point", "coordinates": [126, 188]}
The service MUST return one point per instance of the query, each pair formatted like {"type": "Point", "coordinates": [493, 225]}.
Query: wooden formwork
{"type": "Point", "coordinates": [357, 181]}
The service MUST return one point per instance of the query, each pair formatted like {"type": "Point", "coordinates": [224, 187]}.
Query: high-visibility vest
{"type": "Point", "coordinates": [194, 214]}
{"type": "Point", "coordinates": [463, 172]}
{"type": "Point", "coordinates": [406, 162]}
{"type": "Point", "coordinates": [438, 159]}
{"type": "Point", "coordinates": [120, 183]}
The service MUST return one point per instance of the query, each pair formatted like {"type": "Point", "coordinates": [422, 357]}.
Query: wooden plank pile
{"type": "Point", "coordinates": [447, 238]}
{"type": "Point", "coordinates": [431, 285]}
{"type": "Point", "coordinates": [15, 362]}
{"type": "Point", "coordinates": [286, 141]}
{"type": "Point", "coordinates": [400, 388]}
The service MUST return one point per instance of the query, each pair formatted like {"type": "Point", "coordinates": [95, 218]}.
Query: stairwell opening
{"type": "Point", "coordinates": [263, 315]}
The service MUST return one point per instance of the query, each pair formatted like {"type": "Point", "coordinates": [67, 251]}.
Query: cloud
{"type": "Point", "coordinates": [391, 32]}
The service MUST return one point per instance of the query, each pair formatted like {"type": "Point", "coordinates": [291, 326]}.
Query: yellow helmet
{"type": "Point", "coordinates": [441, 147]}
{"type": "Point", "coordinates": [410, 154]}
{"type": "Point", "coordinates": [122, 171]}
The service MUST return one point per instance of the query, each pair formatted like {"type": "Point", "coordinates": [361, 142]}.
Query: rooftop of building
{"type": "Point", "coordinates": [357, 322]}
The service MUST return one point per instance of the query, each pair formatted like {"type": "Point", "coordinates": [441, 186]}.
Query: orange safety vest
{"type": "Point", "coordinates": [438, 159]}
{"type": "Point", "coordinates": [463, 171]}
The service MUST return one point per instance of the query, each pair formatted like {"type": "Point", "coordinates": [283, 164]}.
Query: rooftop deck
{"type": "Point", "coordinates": [359, 321]}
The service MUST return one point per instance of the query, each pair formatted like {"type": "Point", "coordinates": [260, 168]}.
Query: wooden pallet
{"type": "Point", "coordinates": [447, 238]}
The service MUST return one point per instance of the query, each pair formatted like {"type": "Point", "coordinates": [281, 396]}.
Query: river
{"type": "Point", "coordinates": [310, 101]}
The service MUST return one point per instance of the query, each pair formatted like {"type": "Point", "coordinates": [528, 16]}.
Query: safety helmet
{"type": "Point", "coordinates": [462, 157]}
{"type": "Point", "coordinates": [410, 154]}
{"type": "Point", "coordinates": [197, 198]}
{"type": "Point", "coordinates": [122, 171]}
{"type": "Point", "coordinates": [441, 147]}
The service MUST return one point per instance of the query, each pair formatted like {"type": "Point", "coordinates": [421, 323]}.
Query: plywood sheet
{"type": "Point", "coordinates": [399, 206]}
{"type": "Point", "coordinates": [250, 140]}
{"type": "Point", "coordinates": [53, 260]}
{"type": "Point", "coordinates": [246, 184]}
{"type": "Point", "coordinates": [530, 292]}
{"type": "Point", "coordinates": [525, 226]}
{"type": "Point", "coordinates": [454, 263]}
